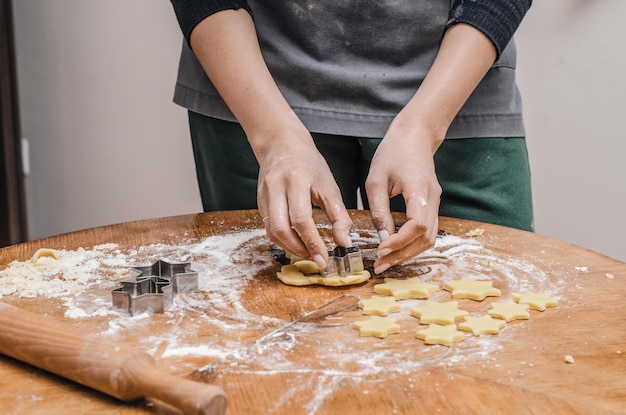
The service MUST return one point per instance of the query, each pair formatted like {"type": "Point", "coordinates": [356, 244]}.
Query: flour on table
{"type": "Point", "coordinates": [228, 263]}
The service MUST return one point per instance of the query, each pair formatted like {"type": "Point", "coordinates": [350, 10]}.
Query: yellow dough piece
{"type": "Point", "coordinates": [44, 252]}
{"type": "Point", "coordinates": [292, 275]}
{"type": "Point", "coordinates": [509, 311]}
{"type": "Point", "coordinates": [403, 289]}
{"type": "Point", "coordinates": [438, 313]}
{"type": "Point", "coordinates": [536, 301]}
{"type": "Point", "coordinates": [482, 325]}
{"type": "Point", "coordinates": [472, 289]}
{"type": "Point", "coordinates": [377, 326]}
{"type": "Point", "coordinates": [306, 266]}
{"type": "Point", "coordinates": [378, 305]}
{"type": "Point", "coordinates": [438, 334]}
{"type": "Point", "coordinates": [475, 232]}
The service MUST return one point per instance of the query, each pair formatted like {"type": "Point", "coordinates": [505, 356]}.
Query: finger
{"type": "Point", "coordinates": [279, 229]}
{"type": "Point", "coordinates": [301, 218]}
{"type": "Point", "coordinates": [337, 214]}
{"type": "Point", "coordinates": [415, 247]}
{"type": "Point", "coordinates": [378, 196]}
{"type": "Point", "coordinates": [415, 236]}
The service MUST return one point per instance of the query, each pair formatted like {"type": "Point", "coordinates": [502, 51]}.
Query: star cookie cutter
{"type": "Point", "coordinates": [152, 287]}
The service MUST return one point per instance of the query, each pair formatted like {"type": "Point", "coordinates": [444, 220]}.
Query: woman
{"type": "Point", "coordinates": [301, 103]}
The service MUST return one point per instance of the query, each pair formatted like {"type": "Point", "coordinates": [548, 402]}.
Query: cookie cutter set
{"type": "Point", "coordinates": [152, 287]}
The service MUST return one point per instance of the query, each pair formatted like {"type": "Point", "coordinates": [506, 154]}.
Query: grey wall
{"type": "Point", "coordinates": [571, 70]}
{"type": "Point", "coordinates": [108, 146]}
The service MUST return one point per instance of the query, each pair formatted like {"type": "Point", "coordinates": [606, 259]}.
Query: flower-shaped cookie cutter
{"type": "Point", "coordinates": [152, 287]}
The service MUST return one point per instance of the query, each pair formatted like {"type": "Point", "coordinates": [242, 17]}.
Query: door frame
{"type": "Point", "coordinates": [13, 221]}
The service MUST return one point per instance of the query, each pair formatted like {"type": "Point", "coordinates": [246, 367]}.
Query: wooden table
{"type": "Point", "coordinates": [323, 366]}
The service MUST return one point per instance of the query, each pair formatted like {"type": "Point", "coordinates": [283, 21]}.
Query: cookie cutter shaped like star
{"type": "Point", "coordinates": [536, 301]}
{"type": "Point", "coordinates": [482, 325]}
{"type": "Point", "coordinates": [472, 289]}
{"type": "Point", "coordinates": [445, 335]}
{"type": "Point", "coordinates": [434, 312]}
{"type": "Point", "coordinates": [377, 326]}
{"type": "Point", "coordinates": [403, 289]}
{"type": "Point", "coordinates": [152, 287]}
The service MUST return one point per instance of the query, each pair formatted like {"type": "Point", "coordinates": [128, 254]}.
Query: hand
{"type": "Point", "coordinates": [293, 175]}
{"type": "Point", "coordinates": [403, 165]}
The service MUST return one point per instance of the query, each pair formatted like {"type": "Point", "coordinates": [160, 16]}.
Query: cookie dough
{"type": "Point", "coordinates": [301, 273]}
{"type": "Point", "coordinates": [378, 305]}
{"type": "Point", "coordinates": [377, 326]}
{"type": "Point", "coordinates": [403, 289]}
{"type": "Point", "coordinates": [472, 289]}
{"type": "Point", "coordinates": [536, 301]}
{"type": "Point", "coordinates": [437, 334]}
{"type": "Point", "coordinates": [44, 252]}
{"type": "Point", "coordinates": [482, 325]}
{"type": "Point", "coordinates": [509, 311]}
{"type": "Point", "coordinates": [438, 313]}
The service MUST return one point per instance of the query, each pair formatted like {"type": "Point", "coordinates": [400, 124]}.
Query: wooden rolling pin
{"type": "Point", "coordinates": [115, 369]}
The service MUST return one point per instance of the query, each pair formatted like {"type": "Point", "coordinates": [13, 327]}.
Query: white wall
{"type": "Point", "coordinates": [571, 72]}
{"type": "Point", "coordinates": [107, 144]}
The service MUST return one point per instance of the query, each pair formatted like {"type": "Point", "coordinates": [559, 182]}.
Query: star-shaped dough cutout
{"type": "Point", "coordinates": [509, 311]}
{"type": "Point", "coordinates": [438, 334]}
{"type": "Point", "coordinates": [378, 305]}
{"type": "Point", "coordinates": [438, 313]}
{"type": "Point", "coordinates": [472, 289]}
{"type": "Point", "coordinates": [482, 325]}
{"type": "Point", "coordinates": [377, 326]}
{"type": "Point", "coordinates": [536, 301]}
{"type": "Point", "coordinates": [403, 289]}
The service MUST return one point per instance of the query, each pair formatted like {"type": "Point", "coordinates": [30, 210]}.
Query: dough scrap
{"type": "Point", "coordinates": [509, 311]}
{"type": "Point", "coordinates": [445, 335]}
{"type": "Point", "coordinates": [44, 252]}
{"type": "Point", "coordinates": [475, 232]}
{"type": "Point", "coordinates": [438, 313]}
{"type": "Point", "coordinates": [292, 275]}
{"type": "Point", "coordinates": [482, 325]}
{"type": "Point", "coordinates": [403, 289]}
{"type": "Point", "coordinates": [378, 305]}
{"type": "Point", "coordinates": [377, 326]}
{"type": "Point", "coordinates": [472, 289]}
{"type": "Point", "coordinates": [536, 301]}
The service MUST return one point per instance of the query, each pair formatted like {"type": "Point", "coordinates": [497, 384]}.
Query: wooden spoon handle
{"type": "Point", "coordinates": [112, 368]}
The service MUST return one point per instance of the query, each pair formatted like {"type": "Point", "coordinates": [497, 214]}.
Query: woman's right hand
{"type": "Point", "coordinates": [293, 175]}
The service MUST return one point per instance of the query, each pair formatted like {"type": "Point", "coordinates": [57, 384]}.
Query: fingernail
{"type": "Point", "coordinates": [381, 268]}
{"type": "Point", "coordinates": [319, 260]}
{"type": "Point", "coordinates": [384, 252]}
{"type": "Point", "coordinates": [383, 234]}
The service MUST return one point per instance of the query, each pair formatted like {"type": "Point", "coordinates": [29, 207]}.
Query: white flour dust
{"type": "Point", "coordinates": [227, 264]}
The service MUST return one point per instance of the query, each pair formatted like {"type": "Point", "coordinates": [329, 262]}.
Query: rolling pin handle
{"type": "Point", "coordinates": [193, 398]}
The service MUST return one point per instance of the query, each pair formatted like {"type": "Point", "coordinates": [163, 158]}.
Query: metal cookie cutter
{"type": "Point", "coordinates": [344, 261]}
{"type": "Point", "coordinates": [152, 287]}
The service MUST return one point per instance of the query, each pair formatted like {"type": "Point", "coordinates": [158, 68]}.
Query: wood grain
{"type": "Point", "coordinates": [115, 369]}
{"type": "Point", "coordinates": [324, 367]}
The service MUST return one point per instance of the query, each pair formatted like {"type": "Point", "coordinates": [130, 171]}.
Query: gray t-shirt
{"type": "Point", "coordinates": [348, 67]}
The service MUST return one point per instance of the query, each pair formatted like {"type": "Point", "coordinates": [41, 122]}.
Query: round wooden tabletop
{"type": "Point", "coordinates": [283, 349]}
